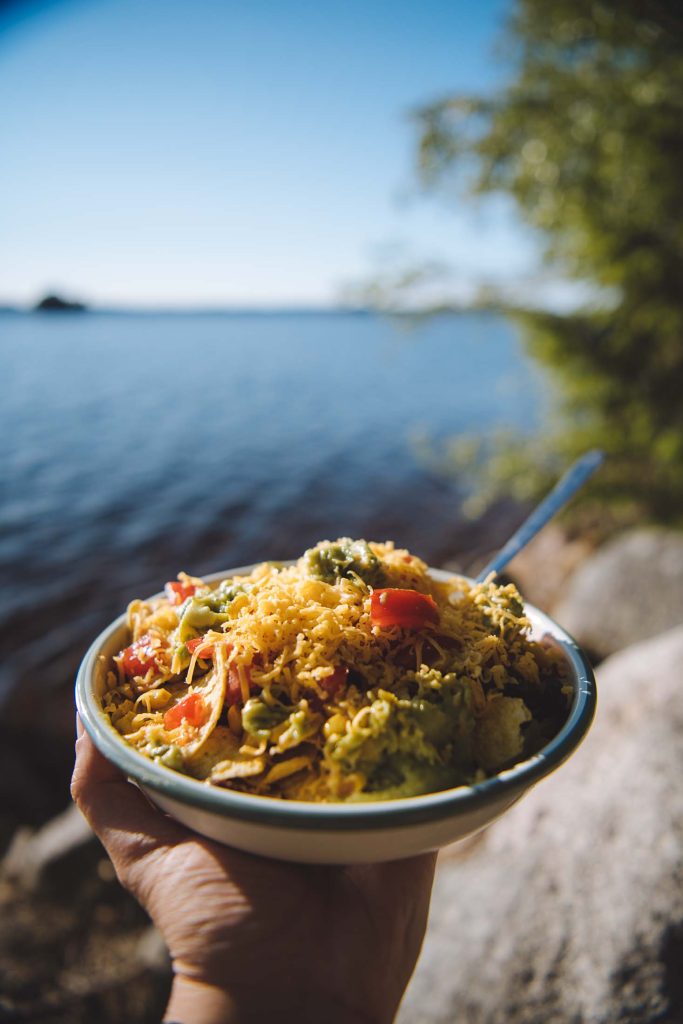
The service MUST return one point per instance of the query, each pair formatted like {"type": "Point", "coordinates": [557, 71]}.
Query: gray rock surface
{"type": "Point", "coordinates": [630, 590]}
{"type": "Point", "coordinates": [569, 909]}
{"type": "Point", "coordinates": [30, 851]}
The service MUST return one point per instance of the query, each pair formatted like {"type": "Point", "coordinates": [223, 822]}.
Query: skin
{"type": "Point", "coordinates": [253, 939]}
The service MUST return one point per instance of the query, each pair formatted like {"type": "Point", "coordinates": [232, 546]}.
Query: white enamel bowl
{"type": "Point", "coordinates": [332, 833]}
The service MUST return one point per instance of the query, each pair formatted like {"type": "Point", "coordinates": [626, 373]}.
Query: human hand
{"type": "Point", "coordinates": [252, 938]}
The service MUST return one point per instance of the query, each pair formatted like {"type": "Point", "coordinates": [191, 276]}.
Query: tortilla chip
{"type": "Point", "coordinates": [240, 768]}
{"type": "Point", "coordinates": [222, 744]}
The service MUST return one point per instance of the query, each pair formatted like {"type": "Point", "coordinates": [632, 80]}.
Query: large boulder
{"type": "Point", "coordinates": [570, 908]}
{"type": "Point", "coordinates": [630, 590]}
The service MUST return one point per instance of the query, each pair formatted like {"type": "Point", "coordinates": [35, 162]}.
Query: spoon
{"type": "Point", "coordinates": [564, 489]}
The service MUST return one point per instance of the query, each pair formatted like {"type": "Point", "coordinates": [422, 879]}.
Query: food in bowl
{"type": "Point", "coordinates": [351, 675]}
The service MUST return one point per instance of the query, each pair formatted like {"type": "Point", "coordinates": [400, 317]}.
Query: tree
{"type": "Point", "coordinates": [588, 140]}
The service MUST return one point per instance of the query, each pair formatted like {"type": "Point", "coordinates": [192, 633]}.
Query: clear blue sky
{"type": "Point", "coordinates": [215, 152]}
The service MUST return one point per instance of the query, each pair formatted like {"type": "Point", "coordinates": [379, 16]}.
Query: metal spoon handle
{"type": "Point", "coordinates": [564, 489]}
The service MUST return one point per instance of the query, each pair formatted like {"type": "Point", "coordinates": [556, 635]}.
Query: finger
{"type": "Point", "coordinates": [126, 823]}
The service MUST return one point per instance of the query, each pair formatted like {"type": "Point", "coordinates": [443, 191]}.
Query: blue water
{"type": "Point", "coordinates": [132, 446]}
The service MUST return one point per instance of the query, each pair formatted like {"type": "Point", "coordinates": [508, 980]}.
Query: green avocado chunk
{"type": "Point", "coordinates": [206, 611]}
{"type": "Point", "coordinates": [413, 744]}
{"type": "Point", "coordinates": [404, 776]}
{"type": "Point", "coordinates": [346, 559]}
{"type": "Point", "coordinates": [259, 718]}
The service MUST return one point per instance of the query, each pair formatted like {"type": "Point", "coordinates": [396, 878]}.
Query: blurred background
{"type": "Point", "coordinates": [278, 272]}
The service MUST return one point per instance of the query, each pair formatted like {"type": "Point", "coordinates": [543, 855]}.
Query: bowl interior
{"type": "Point", "coordinates": [91, 684]}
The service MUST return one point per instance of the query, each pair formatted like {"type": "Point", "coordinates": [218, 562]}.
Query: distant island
{"type": "Point", "coordinates": [56, 304]}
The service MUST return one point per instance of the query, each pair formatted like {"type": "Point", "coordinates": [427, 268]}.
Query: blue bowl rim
{"type": "Point", "coordinates": [506, 785]}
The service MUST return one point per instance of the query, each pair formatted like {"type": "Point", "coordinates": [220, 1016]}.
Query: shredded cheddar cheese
{"type": "Point", "coordinates": [351, 675]}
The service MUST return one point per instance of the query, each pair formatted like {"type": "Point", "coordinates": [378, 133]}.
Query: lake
{"type": "Point", "coordinates": [133, 446]}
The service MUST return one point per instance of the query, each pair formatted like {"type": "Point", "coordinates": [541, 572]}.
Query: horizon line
{"type": "Point", "coordinates": [202, 310]}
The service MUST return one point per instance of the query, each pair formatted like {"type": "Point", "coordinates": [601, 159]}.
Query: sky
{"type": "Point", "coordinates": [218, 153]}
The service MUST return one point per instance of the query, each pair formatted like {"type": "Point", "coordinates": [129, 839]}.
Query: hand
{"type": "Point", "coordinates": [253, 939]}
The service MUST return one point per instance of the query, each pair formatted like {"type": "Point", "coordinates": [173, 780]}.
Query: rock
{"type": "Point", "coordinates": [56, 304]}
{"type": "Point", "coordinates": [630, 590]}
{"type": "Point", "coordinates": [30, 852]}
{"type": "Point", "coordinates": [570, 908]}
{"type": "Point", "coordinates": [74, 945]}
{"type": "Point", "coordinates": [151, 951]}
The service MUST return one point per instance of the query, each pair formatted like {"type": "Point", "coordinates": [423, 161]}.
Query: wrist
{"type": "Point", "coordinates": [196, 1002]}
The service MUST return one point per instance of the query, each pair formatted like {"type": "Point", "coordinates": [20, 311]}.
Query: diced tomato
{"type": "Point", "coordinates": [406, 608]}
{"type": "Point", "coordinates": [177, 592]}
{"type": "Point", "coordinates": [190, 709]}
{"type": "Point", "coordinates": [332, 684]}
{"type": "Point", "coordinates": [201, 646]}
{"type": "Point", "coordinates": [140, 657]}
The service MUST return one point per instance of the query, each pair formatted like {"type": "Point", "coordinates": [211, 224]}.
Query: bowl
{"type": "Point", "coordinates": [333, 833]}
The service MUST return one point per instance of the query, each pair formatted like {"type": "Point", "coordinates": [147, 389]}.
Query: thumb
{"type": "Point", "coordinates": [129, 827]}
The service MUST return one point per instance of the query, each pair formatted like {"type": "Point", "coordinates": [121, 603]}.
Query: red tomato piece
{"type": "Point", "coordinates": [190, 709]}
{"type": "Point", "coordinates": [406, 608]}
{"type": "Point", "coordinates": [332, 684]}
{"type": "Point", "coordinates": [177, 592]}
{"type": "Point", "coordinates": [140, 657]}
{"type": "Point", "coordinates": [200, 645]}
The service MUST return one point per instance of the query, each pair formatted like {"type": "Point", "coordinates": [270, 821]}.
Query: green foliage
{"type": "Point", "coordinates": [588, 139]}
